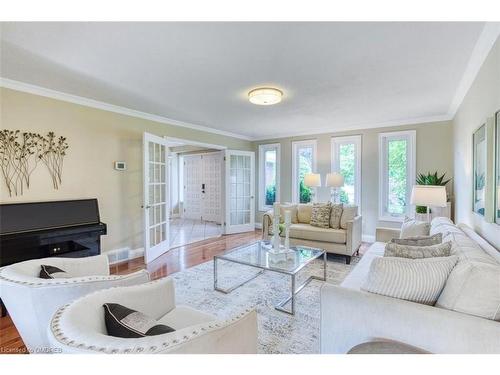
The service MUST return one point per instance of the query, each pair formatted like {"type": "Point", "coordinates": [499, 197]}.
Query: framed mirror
{"type": "Point", "coordinates": [479, 165]}
{"type": "Point", "coordinates": [497, 168]}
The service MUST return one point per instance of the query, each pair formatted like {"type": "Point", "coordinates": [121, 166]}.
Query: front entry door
{"type": "Point", "coordinates": [211, 187]}
{"type": "Point", "coordinates": [240, 186]}
{"type": "Point", "coordinates": [156, 212]}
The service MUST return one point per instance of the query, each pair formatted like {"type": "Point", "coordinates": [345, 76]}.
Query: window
{"type": "Point", "coordinates": [303, 162]}
{"type": "Point", "coordinates": [346, 160]}
{"type": "Point", "coordinates": [396, 174]}
{"type": "Point", "coordinates": [269, 176]}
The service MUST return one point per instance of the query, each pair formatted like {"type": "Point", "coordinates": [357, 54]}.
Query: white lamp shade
{"type": "Point", "coordinates": [425, 195]}
{"type": "Point", "coordinates": [312, 180]}
{"type": "Point", "coordinates": [334, 180]}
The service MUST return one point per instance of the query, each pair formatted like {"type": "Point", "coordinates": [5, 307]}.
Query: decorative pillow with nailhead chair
{"type": "Point", "coordinates": [79, 327]}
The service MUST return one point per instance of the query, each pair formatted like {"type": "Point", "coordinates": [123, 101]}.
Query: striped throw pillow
{"type": "Point", "coordinates": [416, 280]}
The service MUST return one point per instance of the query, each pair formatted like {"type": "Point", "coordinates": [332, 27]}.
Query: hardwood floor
{"type": "Point", "coordinates": [175, 260]}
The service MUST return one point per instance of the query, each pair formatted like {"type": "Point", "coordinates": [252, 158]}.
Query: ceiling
{"type": "Point", "coordinates": [335, 76]}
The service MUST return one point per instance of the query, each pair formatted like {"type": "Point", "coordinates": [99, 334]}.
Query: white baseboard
{"type": "Point", "coordinates": [367, 238]}
{"type": "Point", "coordinates": [258, 225]}
{"type": "Point", "coordinates": [136, 253]}
{"type": "Point", "coordinates": [124, 254]}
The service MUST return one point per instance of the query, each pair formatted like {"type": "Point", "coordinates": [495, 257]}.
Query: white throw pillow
{"type": "Point", "coordinates": [473, 288]}
{"type": "Point", "coordinates": [348, 214]}
{"type": "Point", "coordinates": [414, 228]}
{"type": "Point", "coordinates": [304, 212]}
{"type": "Point", "coordinates": [416, 280]}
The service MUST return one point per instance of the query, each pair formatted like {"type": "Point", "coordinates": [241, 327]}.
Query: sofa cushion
{"type": "Point", "coordinates": [357, 277]}
{"type": "Point", "coordinates": [420, 240]}
{"type": "Point", "coordinates": [320, 215]}
{"type": "Point", "coordinates": [417, 252]}
{"type": "Point", "coordinates": [304, 211]}
{"type": "Point", "coordinates": [349, 212]}
{"type": "Point", "coordinates": [444, 226]}
{"type": "Point", "coordinates": [467, 249]}
{"type": "Point", "coordinates": [308, 232]}
{"type": "Point", "coordinates": [416, 280]}
{"type": "Point", "coordinates": [335, 215]}
{"type": "Point", "coordinates": [293, 211]}
{"type": "Point", "coordinates": [414, 228]}
{"type": "Point", "coordinates": [473, 288]}
{"type": "Point", "coordinates": [183, 316]}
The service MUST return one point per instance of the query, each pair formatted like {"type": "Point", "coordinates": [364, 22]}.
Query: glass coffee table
{"type": "Point", "coordinates": [257, 255]}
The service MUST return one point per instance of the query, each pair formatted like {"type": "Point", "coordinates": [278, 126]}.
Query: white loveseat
{"type": "Point", "coordinates": [345, 240]}
{"type": "Point", "coordinates": [31, 301]}
{"type": "Point", "coordinates": [79, 327]}
{"type": "Point", "coordinates": [375, 317]}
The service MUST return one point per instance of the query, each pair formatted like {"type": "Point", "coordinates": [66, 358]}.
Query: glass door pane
{"type": "Point", "coordinates": [240, 210]}
{"type": "Point", "coordinates": [155, 196]}
{"type": "Point", "coordinates": [240, 189]}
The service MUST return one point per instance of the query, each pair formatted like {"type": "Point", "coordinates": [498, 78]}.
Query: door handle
{"type": "Point", "coordinates": [146, 207]}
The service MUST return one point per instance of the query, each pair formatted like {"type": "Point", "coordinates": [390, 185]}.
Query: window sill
{"type": "Point", "coordinates": [395, 219]}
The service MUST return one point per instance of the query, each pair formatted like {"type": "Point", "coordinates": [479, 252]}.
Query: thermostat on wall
{"type": "Point", "coordinates": [120, 165]}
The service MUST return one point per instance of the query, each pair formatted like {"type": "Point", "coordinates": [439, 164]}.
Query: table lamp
{"type": "Point", "coordinates": [312, 180]}
{"type": "Point", "coordinates": [334, 181]}
{"type": "Point", "coordinates": [428, 195]}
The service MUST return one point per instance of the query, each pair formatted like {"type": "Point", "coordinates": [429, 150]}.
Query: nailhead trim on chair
{"type": "Point", "coordinates": [67, 281]}
{"type": "Point", "coordinates": [59, 335]}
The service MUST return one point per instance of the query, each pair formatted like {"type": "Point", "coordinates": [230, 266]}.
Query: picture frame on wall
{"type": "Point", "coordinates": [479, 152]}
{"type": "Point", "coordinates": [497, 168]}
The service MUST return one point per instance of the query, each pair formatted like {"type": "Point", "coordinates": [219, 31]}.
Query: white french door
{"type": "Point", "coordinates": [156, 212]}
{"type": "Point", "coordinates": [240, 191]}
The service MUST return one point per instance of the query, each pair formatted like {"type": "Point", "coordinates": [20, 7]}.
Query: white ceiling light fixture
{"type": "Point", "coordinates": [265, 96]}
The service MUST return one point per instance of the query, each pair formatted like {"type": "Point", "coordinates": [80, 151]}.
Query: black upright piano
{"type": "Point", "coordinates": [70, 228]}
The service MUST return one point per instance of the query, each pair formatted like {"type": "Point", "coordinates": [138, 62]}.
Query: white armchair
{"type": "Point", "coordinates": [79, 327]}
{"type": "Point", "coordinates": [32, 301]}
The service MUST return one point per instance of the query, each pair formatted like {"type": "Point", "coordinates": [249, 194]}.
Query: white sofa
{"type": "Point", "coordinates": [375, 317]}
{"type": "Point", "coordinates": [343, 241]}
{"type": "Point", "coordinates": [31, 301]}
{"type": "Point", "coordinates": [79, 327]}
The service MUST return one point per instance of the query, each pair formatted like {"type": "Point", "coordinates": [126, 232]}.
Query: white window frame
{"type": "Point", "coordinates": [411, 160]}
{"type": "Point", "coordinates": [295, 153]}
{"type": "Point", "coordinates": [336, 142]}
{"type": "Point", "coordinates": [262, 171]}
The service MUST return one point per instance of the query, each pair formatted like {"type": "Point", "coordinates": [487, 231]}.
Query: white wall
{"type": "Point", "coordinates": [480, 103]}
{"type": "Point", "coordinates": [434, 153]}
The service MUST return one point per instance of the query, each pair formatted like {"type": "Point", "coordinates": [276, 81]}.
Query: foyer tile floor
{"type": "Point", "coordinates": [186, 231]}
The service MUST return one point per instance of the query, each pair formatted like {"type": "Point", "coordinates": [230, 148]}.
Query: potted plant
{"type": "Point", "coordinates": [429, 179]}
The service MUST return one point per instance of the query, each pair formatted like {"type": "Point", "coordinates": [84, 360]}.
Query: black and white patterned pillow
{"type": "Point", "coordinates": [51, 272]}
{"type": "Point", "coordinates": [127, 323]}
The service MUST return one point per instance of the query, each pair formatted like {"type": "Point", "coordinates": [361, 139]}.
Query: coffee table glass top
{"type": "Point", "coordinates": [259, 256]}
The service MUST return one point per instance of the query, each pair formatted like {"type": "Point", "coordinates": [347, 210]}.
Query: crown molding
{"type": "Point", "coordinates": [484, 44]}
{"type": "Point", "coordinates": [364, 126]}
{"type": "Point", "coordinates": [75, 99]}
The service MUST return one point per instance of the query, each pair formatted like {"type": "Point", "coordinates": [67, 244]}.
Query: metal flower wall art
{"type": "Point", "coordinates": [21, 153]}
